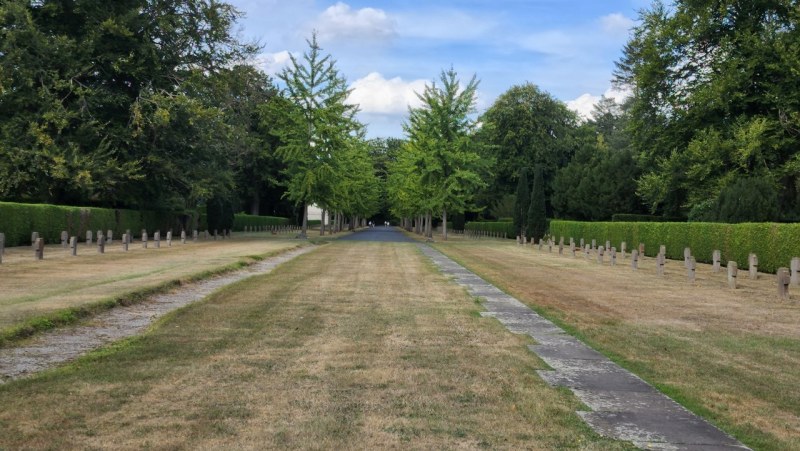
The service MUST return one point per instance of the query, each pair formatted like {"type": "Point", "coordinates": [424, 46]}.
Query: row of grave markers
{"type": "Point", "coordinates": [107, 239]}
{"type": "Point", "coordinates": [784, 276]}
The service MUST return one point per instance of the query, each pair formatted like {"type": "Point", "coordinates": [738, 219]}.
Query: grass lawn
{"type": "Point", "coordinates": [730, 355]}
{"type": "Point", "coordinates": [34, 292]}
{"type": "Point", "coordinates": [354, 345]}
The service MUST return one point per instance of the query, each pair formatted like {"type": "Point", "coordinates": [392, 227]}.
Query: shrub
{"type": "Point", "coordinates": [625, 217]}
{"type": "Point", "coordinates": [775, 244]}
{"type": "Point", "coordinates": [749, 199]}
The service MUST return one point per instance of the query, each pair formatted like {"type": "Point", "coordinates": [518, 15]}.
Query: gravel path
{"type": "Point", "coordinates": [62, 345]}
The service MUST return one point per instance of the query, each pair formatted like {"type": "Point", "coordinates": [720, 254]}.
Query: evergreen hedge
{"type": "Point", "coordinates": [240, 221]}
{"type": "Point", "coordinates": [775, 244]}
{"type": "Point", "coordinates": [626, 217]}
{"type": "Point", "coordinates": [18, 221]}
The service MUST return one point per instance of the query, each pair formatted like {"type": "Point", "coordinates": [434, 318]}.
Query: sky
{"type": "Point", "coordinates": [388, 50]}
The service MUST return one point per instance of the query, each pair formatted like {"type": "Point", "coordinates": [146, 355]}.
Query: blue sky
{"type": "Point", "coordinates": [387, 50]}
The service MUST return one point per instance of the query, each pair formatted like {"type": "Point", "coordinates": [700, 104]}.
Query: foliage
{"type": "Point", "coordinates": [18, 221]}
{"type": "Point", "coordinates": [504, 208]}
{"type": "Point", "coordinates": [220, 214]}
{"type": "Point", "coordinates": [775, 244]}
{"type": "Point", "coordinates": [715, 99]}
{"type": "Point", "coordinates": [751, 199]}
{"type": "Point", "coordinates": [626, 217]}
{"type": "Point", "coordinates": [536, 223]}
{"type": "Point", "coordinates": [526, 127]}
{"type": "Point", "coordinates": [240, 221]}
{"type": "Point", "coordinates": [522, 203]}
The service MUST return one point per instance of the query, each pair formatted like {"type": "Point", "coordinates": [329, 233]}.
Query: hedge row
{"type": "Point", "coordinates": [18, 221]}
{"type": "Point", "coordinates": [240, 221]}
{"type": "Point", "coordinates": [626, 217]}
{"type": "Point", "coordinates": [506, 227]}
{"type": "Point", "coordinates": [775, 244]}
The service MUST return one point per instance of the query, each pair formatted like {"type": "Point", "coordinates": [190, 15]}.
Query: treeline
{"type": "Point", "coordinates": [152, 105]}
{"type": "Point", "coordinates": [710, 131]}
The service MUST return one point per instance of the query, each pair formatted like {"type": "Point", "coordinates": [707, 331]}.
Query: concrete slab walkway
{"type": "Point", "coordinates": [623, 406]}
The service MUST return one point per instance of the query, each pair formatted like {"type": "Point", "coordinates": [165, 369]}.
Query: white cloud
{"type": "Point", "coordinates": [272, 63]}
{"type": "Point", "coordinates": [342, 22]}
{"type": "Point", "coordinates": [616, 24]}
{"type": "Point", "coordinates": [377, 95]}
{"type": "Point", "coordinates": [584, 104]}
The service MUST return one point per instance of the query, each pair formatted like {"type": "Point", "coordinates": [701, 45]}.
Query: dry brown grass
{"type": "Point", "coordinates": [31, 288]}
{"type": "Point", "coordinates": [352, 346]}
{"type": "Point", "coordinates": [731, 355]}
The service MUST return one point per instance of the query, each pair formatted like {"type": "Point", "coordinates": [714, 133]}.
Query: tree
{"type": "Point", "coordinates": [715, 98]}
{"type": "Point", "coordinates": [315, 125]}
{"type": "Point", "coordinates": [521, 204]}
{"type": "Point", "coordinates": [750, 199]}
{"type": "Point", "coordinates": [526, 127]}
{"type": "Point", "coordinates": [440, 136]}
{"type": "Point", "coordinates": [536, 224]}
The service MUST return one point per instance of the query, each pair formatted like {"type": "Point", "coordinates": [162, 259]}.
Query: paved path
{"type": "Point", "coordinates": [623, 406]}
{"type": "Point", "coordinates": [380, 233]}
{"type": "Point", "coordinates": [62, 345]}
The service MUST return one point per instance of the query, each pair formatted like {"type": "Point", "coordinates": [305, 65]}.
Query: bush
{"type": "Point", "coordinates": [750, 199]}
{"type": "Point", "coordinates": [775, 244]}
{"type": "Point", "coordinates": [240, 221]}
{"type": "Point", "coordinates": [624, 217]}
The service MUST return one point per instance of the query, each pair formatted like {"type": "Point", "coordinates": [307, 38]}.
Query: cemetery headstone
{"type": "Point", "coordinates": [795, 266]}
{"type": "Point", "coordinates": [660, 263]}
{"type": "Point", "coordinates": [109, 237]}
{"type": "Point", "coordinates": [34, 237]}
{"type": "Point", "coordinates": [594, 244]}
{"type": "Point", "coordinates": [687, 254]}
{"type": "Point", "coordinates": [716, 256]}
{"type": "Point", "coordinates": [641, 250]}
{"type": "Point", "coordinates": [101, 244]}
{"type": "Point", "coordinates": [635, 260]}
{"type": "Point", "coordinates": [662, 250]}
{"type": "Point", "coordinates": [73, 245]}
{"type": "Point", "coordinates": [144, 240]}
{"type": "Point", "coordinates": [613, 256]}
{"type": "Point", "coordinates": [2, 243]}
{"type": "Point", "coordinates": [583, 243]}
{"type": "Point", "coordinates": [157, 239]}
{"type": "Point", "coordinates": [125, 242]}
{"type": "Point", "coordinates": [183, 237]}
{"type": "Point", "coordinates": [732, 272]}
{"type": "Point", "coordinates": [194, 235]}
{"type": "Point", "coordinates": [691, 269]}
{"type": "Point", "coordinates": [587, 251]}
{"type": "Point", "coordinates": [753, 266]}
{"type": "Point", "coordinates": [608, 244]}
{"type": "Point", "coordinates": [600, 253]}
{"type": "Point", "coordinates": [88, 237]}
{"type": "Point", "coordinates": [215, 234]}
{"type": "Point", "coordinates": [99, 234]}
{"type": "Point", "coordinates": [572, 248]}
{"type": "Point", "coordinates": [783, 280]}
{"type": "Point", "coordinates": [39, 249]}
{"type": "Point", "coordinates": [169, 238]}
{"type": "Point", "coordinates": [561, 247]}
{"type": "Point", "coordinates": [64, 239]}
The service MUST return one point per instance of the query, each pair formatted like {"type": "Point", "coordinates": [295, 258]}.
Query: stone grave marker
{"type": "Point", "coordinates": [795, 266]}
{"type": "Point", "coordinates": [540, 243]}
{"type": "Point", "coordinates": [215, 234]}
{"type": "Point", "coordinates": [691, 269]}
{"type": "Point", "coordinates": [594, 244]}
{"type": "Point", "coordinates": [623, 248]}
{"type": "Point", "coordinates": [169, 238]}
{"type": "Point", "coordinates": [2, 243]}
{"type": "Point", "coordinates": [587, 251]}
{"type": "Point", "coordinates": [64, 239]}
{"type": "Point", "coordinates": [662, 250]}
{"type": "Point", "coordinates": [194, 235]}
{"type": "Point", "coordinates": [144, 239]}
{"type": "Point", "coordinates": [608, 244]}
{"type": "Point", "coordinates": [88, 237]}
{"type": "Point", "coordinates": [582, 243]}
{"type": "Point", "coordinates": [205, 234]}
{"type": "Point", "coordinates": [661, 261]}
{"type": "Point", "coordinates": [34, 237]}
{"type": "Point", "coordinates": [613, 256]}
{"type": "Point", "coordinates": [634, 260]}
{"type": "Point", "coordinates": [125, 242]}
{"type": "Point", "coordinates": [38, 250]}
{"type": "Point", "coordinates": [550, 246]}
{"type": "Point", "coordinates": [716, 256]}
{"type": "Point", "coordinates": [572, 248]}
{"type": "Point", "coordinates": [183, 237]}
{"type": "Point", "coordinates": [687, 254]}
{"type": "Point", "coordinates": [130, 235]}
{"type": "Point", "coordinates": [753, 266]}
{"type": "Point", "coordinates": [109, 237]}
{"type": "Point", "coordinates": [600, 252]}
{"type": "Point", "coordinates": [561, 247]}
{"type": "Point", "coordinates": [101, 244]}
{"type": "Point", "coordinates": [571, 241]}
{"type": "Point", "coordinates": [157, 239]}
{"type": "Point", "coordinates": [73, 245]}
{"type": "Point", "coordinates": [99, 234]}
{"type": "Point", "coordinates": [732, 272]}
{"type": "Point", "coordinates": [783, 280]}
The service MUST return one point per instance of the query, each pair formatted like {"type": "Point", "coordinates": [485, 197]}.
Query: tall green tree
{"type": "Point", "coordinates": [521, 203]}
{"type": "Point", "coordinates": [536, 224]}
{"type": "Point", "coordinates": [440, 132]}
{"type": "Point", "coordinates": [526, 127]}
{"type": "Point", "coordinates": [316, 125]}
{"type": "Point", "coordinates": [715, 99]}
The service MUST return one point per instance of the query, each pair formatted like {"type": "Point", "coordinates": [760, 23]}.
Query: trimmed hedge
{"type": "Point", "coordinates": [775, 244]}
{"type": "Point", "coordinates": [506, 227]}
{"type": "Point", "coordinates": [18, 221]}
{"type": "Point", "coordinates": [625, 217]}
{"type": "Point", "coordinates": [240, 221]}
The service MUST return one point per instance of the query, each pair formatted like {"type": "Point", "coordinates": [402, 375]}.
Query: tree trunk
{"type": "Point", "coordinates": [429, 225]}
{"type": "Point", "coordinates": [322, 223]}
{"type": "Point", "coordinates": [304, 229]}
{"type": "Point", "coordinates": [444, 224]}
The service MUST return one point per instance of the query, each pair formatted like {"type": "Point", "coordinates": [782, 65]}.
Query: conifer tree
{"type": "Point", "coordinates": [521, 203]}
{"type": "Point", "coordinates": [536, 225]}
